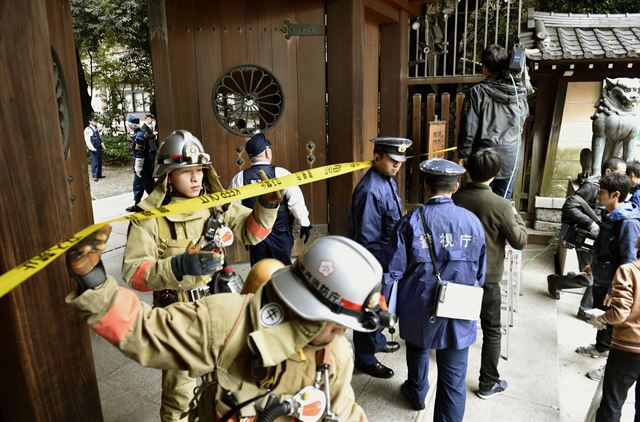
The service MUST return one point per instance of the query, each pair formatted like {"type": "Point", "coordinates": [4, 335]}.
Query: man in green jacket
{"type": "Point", "coordinates": [501, 224]}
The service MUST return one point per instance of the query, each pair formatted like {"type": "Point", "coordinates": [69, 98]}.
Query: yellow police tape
{"type": "Point", "coordinates": [16, 276]}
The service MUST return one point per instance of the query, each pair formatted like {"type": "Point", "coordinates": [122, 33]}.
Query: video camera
{"type": "Point", "coordinates": [573, 237]}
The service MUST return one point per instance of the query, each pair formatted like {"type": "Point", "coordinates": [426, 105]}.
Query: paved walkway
{"type": "Point", "coordinates": [546, 378]}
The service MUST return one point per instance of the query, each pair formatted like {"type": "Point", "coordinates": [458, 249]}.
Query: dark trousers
{"type": "Point", "coordinates": [96, 162]}
{"type": "Point", "coordinates": [622, 370]}
{"type": "Point", "coordinates": [499, 187]}
{"type": "Point", "coordinates": [144, 183]}
{"type": "Point", "coordinates": [277, 245]}
{"type": "Point", "coordinates": [491, 335]}
{"type": "Point", "coordinates": [365, 346]}
{"type": "Point", "coordinates": [603, 337]}
{"type": "Point", "coordinates": [451, 390]}
{"type": "Point", "coordinates": [584, 259]}
{"type": "Point", "coordinates": [577, 280]}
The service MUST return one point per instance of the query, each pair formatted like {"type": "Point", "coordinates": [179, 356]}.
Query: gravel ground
{"type": "Point", "coordinates": [117, 180]}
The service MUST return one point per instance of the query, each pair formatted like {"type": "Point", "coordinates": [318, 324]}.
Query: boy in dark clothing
{"type": "Point", "coordinates": [500, 222]}
{"type": "Point", "coordinates": [615, 245]}
{"type": "Point", "coordinates": [573, 212]}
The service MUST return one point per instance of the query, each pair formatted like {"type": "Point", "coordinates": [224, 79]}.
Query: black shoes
{"type": "Point", "coordinates": [133, 208]}
{"type": "Point", "coordinates": [95, 179]}
{"type": "Point", "coordinates": [404, 390]}
{"type": "Point", "coordinates": [390, 347]}
{"type": "Point", "coordinates": [493, 390]}
{"type": "Point", "coordinates": [377, 370]}
{"type": "Point", "coordinates": [551, 286]}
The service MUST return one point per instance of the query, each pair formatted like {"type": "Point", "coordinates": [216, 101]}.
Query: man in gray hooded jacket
{"type": "Point", "coordinates": [494, 116]}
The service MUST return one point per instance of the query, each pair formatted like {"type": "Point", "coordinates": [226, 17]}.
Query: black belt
{"type": "Point", "coordinates": [167, 296]}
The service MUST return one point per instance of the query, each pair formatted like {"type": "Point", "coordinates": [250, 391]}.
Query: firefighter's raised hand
{"type": "Point", "coordinates": [84, 260]}
{"type": "Point", "coordinates": [271, 199]}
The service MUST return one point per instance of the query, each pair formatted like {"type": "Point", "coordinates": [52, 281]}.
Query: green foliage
{"type": "Point", "coordinates": [118, 148]}
{"type": "Point", "coordinates": [112, 37]}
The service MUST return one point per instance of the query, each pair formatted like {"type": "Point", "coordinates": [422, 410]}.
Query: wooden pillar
{"type": "Point", "coordinates": [46, 365]}
{"type": "Point", "coordinates": [394, 41]}
{"type": "Point", "coordinates": [547, 87]}
{"type": "Point", "coordinates": [345, 33]}
{"type": "Point", "coordinates": [160, 62]}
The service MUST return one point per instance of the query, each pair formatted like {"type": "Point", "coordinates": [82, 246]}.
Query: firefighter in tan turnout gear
{"type": "Point", "coordinates": [157, 258]}
{"type": "Point", "coordinates": [278, 353]}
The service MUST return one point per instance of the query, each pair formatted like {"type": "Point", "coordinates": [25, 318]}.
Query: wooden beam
{"type": "Point", "coordinates": [394, 41]}
{"type": "Point", "coordinates": [345, 81]}
{"type": "Point", "coordinates": [411, 8]}
{"type": "Point", "coordinates": [46, 365]}
{"type": "Point", "coordinates": [467, 79]}
{"type": "Point", "coordinates": [546, 92]}
{"type": "Point", "coordinates": [552, 148]}
{"type": "Point", "coordinates": [381, 11]}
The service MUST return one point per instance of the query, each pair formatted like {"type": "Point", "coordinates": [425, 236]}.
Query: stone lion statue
{"type": "Point", "coordinates": [616, 121]}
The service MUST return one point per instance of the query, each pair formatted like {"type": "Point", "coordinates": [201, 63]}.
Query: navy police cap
{"type": "Point", "coordinates": [395, 148]}
{"type": "Point", "coordinates": [441, 167]}
{"type": "Point", "coordinates": [257, 144]}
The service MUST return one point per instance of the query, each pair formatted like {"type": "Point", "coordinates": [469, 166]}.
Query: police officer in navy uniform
{"type": "Point", "coordinates": [143, 162]}
{"type": "Point", "coordinates": [95, 146]}
{"type": "Point", "coordinates": [279, 243]}
{"type": "Point", "coordinates": [459, 245]}
{"type": "Point", "coordinates": [375, 209]}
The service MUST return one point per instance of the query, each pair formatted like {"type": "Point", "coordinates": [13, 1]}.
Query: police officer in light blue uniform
{"type": "Point", "coordinates": [375, 209]}
{"type": "Point", "coordinates": [459, 244]}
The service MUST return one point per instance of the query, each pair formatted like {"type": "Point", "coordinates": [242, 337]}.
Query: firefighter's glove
{"type": "Point", "coordinates": [271, 199]}
{"type": "Point", "coordinates": [205, 261]}
{"type": "Point", "coordinates": [84, 263]}
{"type": "Point", "coordinates": [137, 166]}
{"type": "Point", "coordinates": [305, 232]}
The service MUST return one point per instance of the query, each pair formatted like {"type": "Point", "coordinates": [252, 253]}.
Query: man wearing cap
{"type": "Point", "coordinates": [253, 351]}
{"type": "Point", "coordinates": [459, 247]}
{"type": "Point", "coordinates": [279, 243]}
{"type": "Point", "coordinates": [95, 146]}
{"type": "Point", "coordinates": [375, 209]}
{"type": "Point", "coordinates": [143, 162]}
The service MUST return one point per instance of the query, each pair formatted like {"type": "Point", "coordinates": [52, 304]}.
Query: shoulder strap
{"type": "Point", "coordinates": [166, 229]}
{"type": "Point", "coordinates": [233, 343]}
{"type": "Point", "coordinates": [429, 241]}
{"type": "Point", "coordinates": [586, 208]}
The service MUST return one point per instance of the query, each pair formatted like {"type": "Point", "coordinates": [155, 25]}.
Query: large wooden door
{"type": "Point", "coordinates": [194, 42]}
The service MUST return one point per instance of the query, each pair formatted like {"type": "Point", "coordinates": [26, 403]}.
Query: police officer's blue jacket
{"type": "Point", "coordinates": [460, 251]}
{"type": "Point", "coordinates": [139, 145]}
{"type": "Point", "coordinates": [375, 209]}
{"type": "Point", "coordinates": [616, 242]}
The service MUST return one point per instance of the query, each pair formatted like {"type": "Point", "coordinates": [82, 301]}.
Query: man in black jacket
{"type": "Point", "coordinates": [493, 118]}
{"type": "Point", "coordinates": [501, 223]}
{"type": "Point", "coordinates": [573, 212]}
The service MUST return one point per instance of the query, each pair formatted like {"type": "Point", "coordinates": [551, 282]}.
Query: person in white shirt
{"type": "Point", "coordinates": [95, 146]}
{"type": "Point", "coordinates": [279, 243]}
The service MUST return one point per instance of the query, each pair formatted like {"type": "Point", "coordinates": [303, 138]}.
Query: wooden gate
{"type": "Point", "coordinates": [194, 42]}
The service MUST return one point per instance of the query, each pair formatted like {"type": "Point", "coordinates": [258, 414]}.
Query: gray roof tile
{"type": "Point", "coordinates": [582, 36]}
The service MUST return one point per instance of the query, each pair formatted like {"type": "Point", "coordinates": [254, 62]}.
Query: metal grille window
{"type": "Point", "coordinates": [247, 99]}
{"type": "Point", "coordinates": [447, 41]}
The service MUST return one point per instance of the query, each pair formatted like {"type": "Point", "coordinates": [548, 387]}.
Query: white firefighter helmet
{"type": "Point", "coordinates": [336, 280]}
{"type": "Point", "coordinates": [180, 150]}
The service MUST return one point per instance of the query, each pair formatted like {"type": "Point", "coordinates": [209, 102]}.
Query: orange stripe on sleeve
{"type": "Point", "coordinates": [116, 322]}
{"type": "Point", "coordinates": [256, 229]}
{"type": "Point", "coordinates": [139, 279]}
